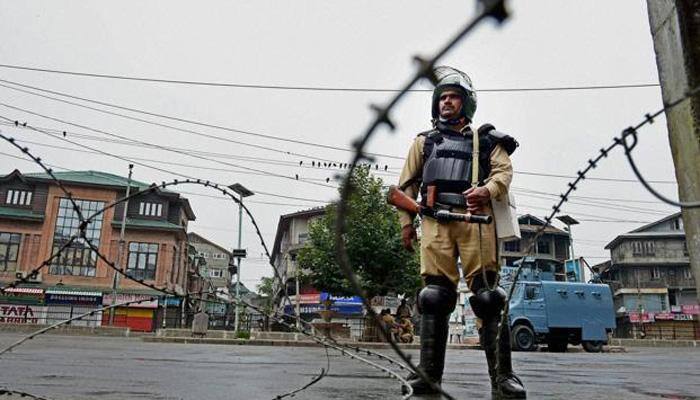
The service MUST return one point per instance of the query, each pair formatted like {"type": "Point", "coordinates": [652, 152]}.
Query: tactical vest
{"type": "Point", "coordinates": [447, 161]}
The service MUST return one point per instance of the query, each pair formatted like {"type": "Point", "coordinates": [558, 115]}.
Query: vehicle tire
{"type": "Point", "coordinates": [592, 346]}
{"type": "Point", "coordinates": [557, 345]}
{"type": "Point", "coordinates": [523, 338]}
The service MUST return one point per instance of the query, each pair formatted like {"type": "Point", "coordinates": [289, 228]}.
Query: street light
{"type": "Point", "coordinates": [242, 192]}
{"type": "Point", "coordinates": [568, 221]}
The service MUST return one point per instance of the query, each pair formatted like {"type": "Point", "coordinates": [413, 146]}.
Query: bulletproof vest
{"type": "Point", "coordinates": [447, 161]}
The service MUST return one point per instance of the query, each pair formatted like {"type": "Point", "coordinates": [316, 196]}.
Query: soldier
{"type": "Point", "coordinates": [439, 166]}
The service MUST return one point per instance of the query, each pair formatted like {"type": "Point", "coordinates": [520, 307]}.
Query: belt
{"type": "Point", "coordinates": [452, 199]}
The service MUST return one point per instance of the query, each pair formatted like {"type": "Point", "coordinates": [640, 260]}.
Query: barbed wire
{"type": "Point", "coordinates": [11, 392]}
{"type": "Point", "coordinates": [490, 9]}
{"type": "Point", "coordinates": [564, 197]}
{"type": "Point", "coordinates": [85, 221]}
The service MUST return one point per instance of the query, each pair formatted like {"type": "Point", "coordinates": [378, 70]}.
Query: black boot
{"type": "Point", "coordinates": [504, 383]}
{"type": "Point", "coordinates": [435, 302]}
{"type": "Point", "coordinates": [433, 344]}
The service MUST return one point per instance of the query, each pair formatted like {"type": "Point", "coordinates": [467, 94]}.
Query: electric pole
{"type": "Point", "coordinates": [675, 29]}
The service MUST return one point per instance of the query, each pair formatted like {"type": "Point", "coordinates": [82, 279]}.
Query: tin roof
{"type": "Point", "coordinates": [24, 290]}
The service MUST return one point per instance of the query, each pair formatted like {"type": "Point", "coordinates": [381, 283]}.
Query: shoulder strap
{"type": "Point", "coordinates": [430, 138]}
{"type": "Point", "coordinates": [508, 142]}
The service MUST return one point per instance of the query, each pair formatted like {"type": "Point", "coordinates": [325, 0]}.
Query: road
{"type": "Point", "coordinates": [71, 367]}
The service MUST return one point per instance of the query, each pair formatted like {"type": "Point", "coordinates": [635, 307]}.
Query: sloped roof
{"type": "Point", "coordinates": [643, 233]}
{"type": "Point", "coordinates": [201, 238]}
{"type": "Point", "coordinates": [655, 223]}
{"type": "Point", "coordinates": [97, 178]}
{"type": "Point", "coordinates": [20, 213]}
{"type": "Point", "coordinates": [89, 177]}
{"type": "Point", "coordinates": [283, 225]}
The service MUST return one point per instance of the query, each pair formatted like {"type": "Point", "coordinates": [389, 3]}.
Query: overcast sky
{"type": "Point", "coordinates": [346, 44]}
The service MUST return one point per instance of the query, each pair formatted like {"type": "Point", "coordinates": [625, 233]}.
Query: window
{"type": "Point", "coordinates": [649, 248]}
{"type": "Point", "coordinates": [151, 209]}
{"type": "Point", "coordinates": [216, 273]}
{"type": "Point", "coordinates": [303, 237]}
{"type": "Point", "coordinates": [513, 245]}
{"type": "Point", "coordinates": [218, 256]}
{"type": "Point", "coordinates": [655, 273]}
{"type": "Point", "coordinates": [687, 273]}
{"type": "Point", "coordinates": [18, 197]}
{"type": "Point", "coordinates": [9, 248]}
{"type": "Point", "coordinates": [677, 224]}
{"type": "Point", "coordinates": [143, 260]}
{"type": "Point", "coordinates": [78, 258]}
{"type": "Point", "coordinates": [637, 248]}
{"type": "Point", "coordinates": [543, 247]}
{"type": "Point", "coordinates": [685, 249]}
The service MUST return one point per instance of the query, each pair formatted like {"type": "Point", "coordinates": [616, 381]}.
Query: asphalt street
{"type": "Point", "coordinates": [71, 367]}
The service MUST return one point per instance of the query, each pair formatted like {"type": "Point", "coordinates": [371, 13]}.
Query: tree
{"type": "Point", "coordinates": [266, 290]}
{"type": "Point", "coordinates": [373, 242]}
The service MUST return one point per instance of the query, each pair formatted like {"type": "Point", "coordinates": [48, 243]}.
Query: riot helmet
{"type": "Point", "coordinates": [451, 78]}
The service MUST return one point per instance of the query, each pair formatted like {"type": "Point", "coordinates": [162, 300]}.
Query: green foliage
{"type": "Point", "coordinates": [373, 241]}
{"type": "Point", "coordinates": [266, 290]}
{"type": "Point", "coordinates": [243, 335]}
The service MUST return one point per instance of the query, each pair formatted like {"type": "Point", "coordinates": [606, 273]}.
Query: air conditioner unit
{"type": "Point", "coordinates": [36, 277]}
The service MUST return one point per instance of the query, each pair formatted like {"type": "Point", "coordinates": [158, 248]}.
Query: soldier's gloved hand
{"type": "Point", "coordinates": [408, 235]}
{"type": "Point", "coordinates": [477, 198]}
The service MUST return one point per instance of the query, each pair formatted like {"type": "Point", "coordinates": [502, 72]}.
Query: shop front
{"type": "Point", "coordinates": [65, 303]}
{"type": "Point", "coordinates": [139, 315]}
{"type": "Point", "coordinates": [23, 306]}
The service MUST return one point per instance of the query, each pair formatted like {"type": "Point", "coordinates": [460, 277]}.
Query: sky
{"type": "Point", "coordinates": [333, 44]}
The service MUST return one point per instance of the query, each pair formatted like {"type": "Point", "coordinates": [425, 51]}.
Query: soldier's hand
{"type": "Point", "coordinates": [408, 235]}
{"type": "Point", "coordinates": [477, 198]}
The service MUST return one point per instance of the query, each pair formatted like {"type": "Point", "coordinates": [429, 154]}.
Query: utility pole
{"type": "Point", "coordinates": [675, 29]}
{"type": "Point", "coordinates": [120, 248]}
{"type": "Point", "coordinates": [242, 192]}
{"type": "Point", "coordinates": [298, 297]}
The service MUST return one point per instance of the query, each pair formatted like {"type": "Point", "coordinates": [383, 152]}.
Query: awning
{"type": "Point", "coordinates": [24, 290]}
{"type": "Point", "coordinates": [73, 292]}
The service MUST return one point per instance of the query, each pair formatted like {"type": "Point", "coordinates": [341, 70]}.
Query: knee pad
{"type": "Point", "coordinates": [437, 299]}
{"type": "Point", "coordinates": [488, 304]}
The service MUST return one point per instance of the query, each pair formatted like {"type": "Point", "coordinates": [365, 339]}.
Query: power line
{"type": "Point", "coordinates": [312, 88]}
{"type": "Point", "coordinates": [158, 146]}
{"type": "Point", "coordinates": [169, 117]}
{"type": "Point", "coordinates": [588, 178]}
{"type": "Point", "coordinates": [316, 165]}
{"type": "Point", "coordinates": [597, 204]}
{"type": "Point", "coordinates": [175, 173]}
{"type": "Point", "coordinates": [256, 134]}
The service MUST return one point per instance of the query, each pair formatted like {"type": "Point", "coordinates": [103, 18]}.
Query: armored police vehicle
{"type": "Point", "coordinates": [558, 313]}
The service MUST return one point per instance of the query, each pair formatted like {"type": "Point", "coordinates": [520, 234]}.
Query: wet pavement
{"type": "Point", "coordinates": [71, 367]}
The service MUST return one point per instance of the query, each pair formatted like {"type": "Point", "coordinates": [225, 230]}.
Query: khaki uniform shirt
{"type": "Point", "coordinates": [497, 182]}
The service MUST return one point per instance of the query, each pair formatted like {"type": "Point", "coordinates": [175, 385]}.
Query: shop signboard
{"type": "Point", "coordinates": [307, 298]}
{"type": "Point", "coordinates": [663, 316]}
{"type": "Point", "coordinates": [643, 317]}
{"type": "Point", "coordinates": [171, 301]}
{"type": "Point", "coordinates": [73, 299]}
{"type": "Point", "coordinates": [22, 314]}
{"type": "Point", "coordinates": [147, 301]}
{"type": "Point", "coordinates": [691, 309]}
{"type": "Point", "coordinates": [682, 317]}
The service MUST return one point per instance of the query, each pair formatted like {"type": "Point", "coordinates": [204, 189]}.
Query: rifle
{"type": "Point", "coordinates": [401, 200]}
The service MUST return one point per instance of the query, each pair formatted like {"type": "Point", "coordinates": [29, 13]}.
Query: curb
{"type": "Point", "coordinates": [288, 343]}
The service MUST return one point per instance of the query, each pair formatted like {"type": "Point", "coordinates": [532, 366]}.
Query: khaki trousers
{"type": "Point", "coordinates": [442, 243]}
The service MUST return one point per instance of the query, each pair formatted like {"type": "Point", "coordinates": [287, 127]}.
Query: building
{"type": "Point", "coordinates": [550, 253]}
{"type": "Point", "coordinates": [649, 269]}
{"type": "Point", "coordinates": [36, 219]}
{"type": "Point", "coordinates": [216, 258]}
{"type": "Point", "coordinates": [214, 269]}
{"type": "Point", "coordinates": [292, 233]}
